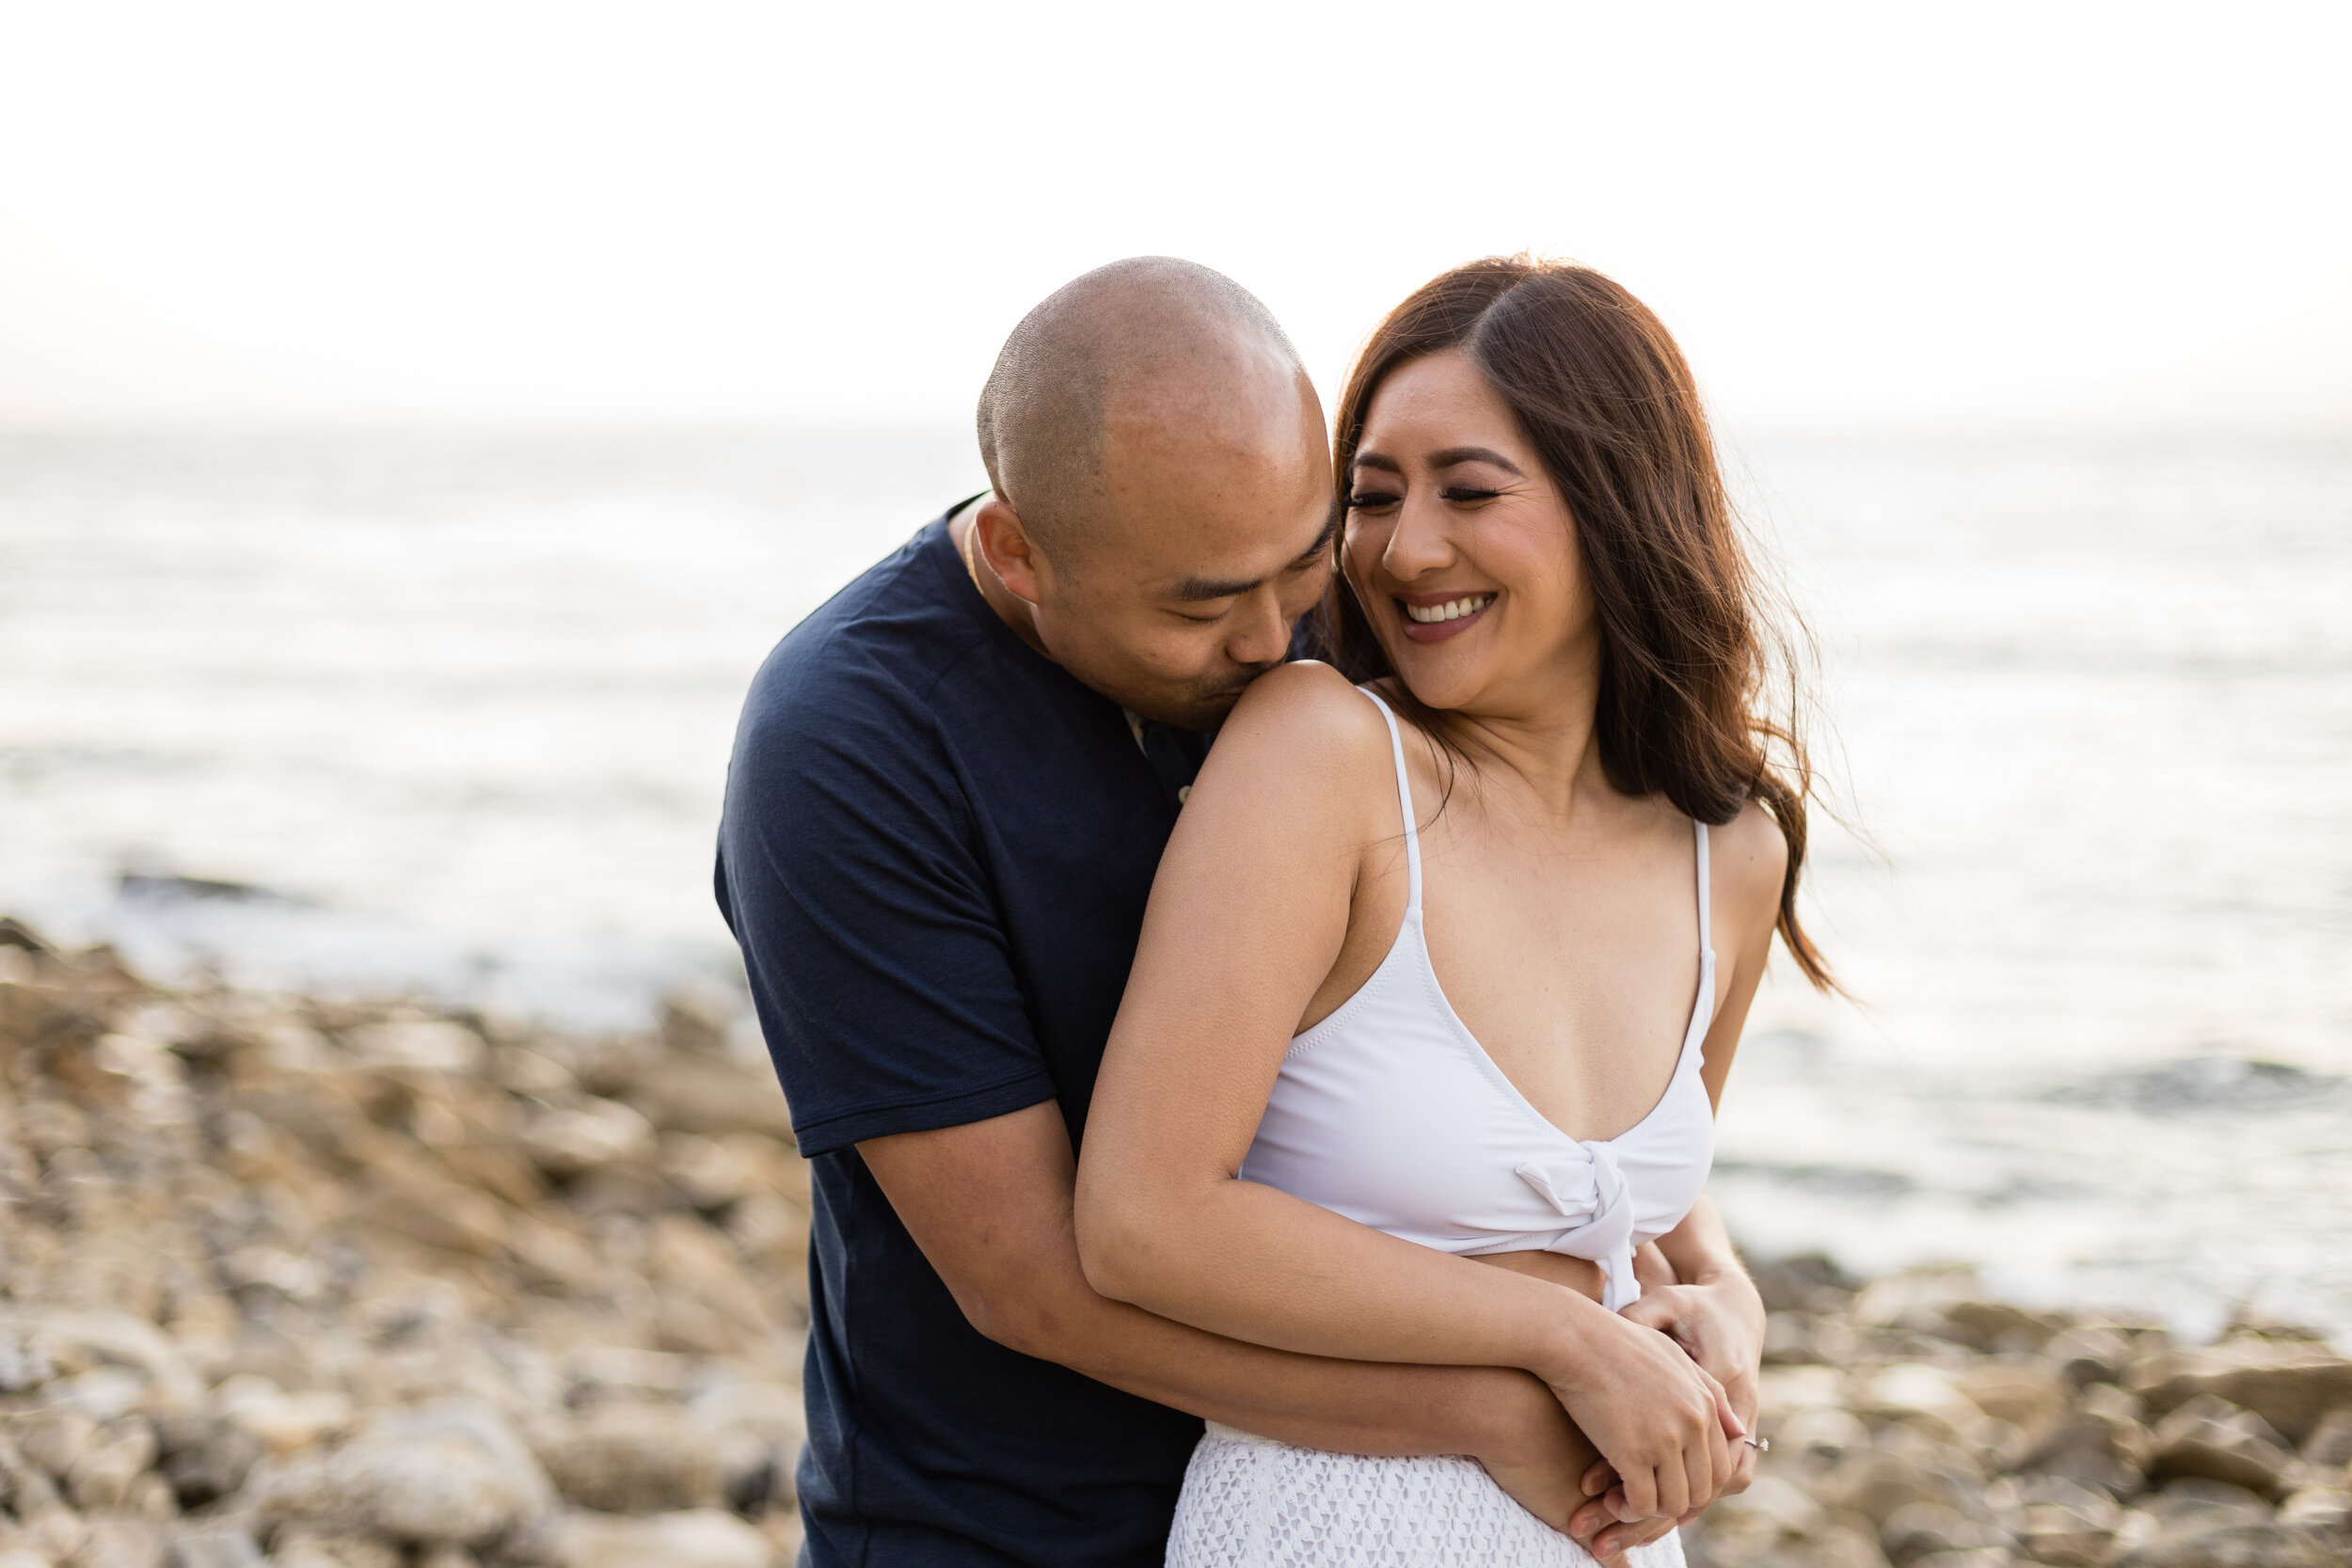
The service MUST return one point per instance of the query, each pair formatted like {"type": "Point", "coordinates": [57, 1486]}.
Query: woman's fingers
{"type": "Point", "coordinates": [1641, 1492]}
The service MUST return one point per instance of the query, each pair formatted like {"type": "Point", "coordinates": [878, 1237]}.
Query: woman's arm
{"type": "Point", "coordinates": [1247, 918]}
{"type": "Point", "coordinates": [1711, 1307]}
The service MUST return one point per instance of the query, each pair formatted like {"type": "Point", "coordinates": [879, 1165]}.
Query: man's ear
{"type": "Point", "coordinates": [997, 533]}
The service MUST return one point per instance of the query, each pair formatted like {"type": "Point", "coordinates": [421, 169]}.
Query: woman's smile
{"type": "Point", "coordinates": [1433, 617]}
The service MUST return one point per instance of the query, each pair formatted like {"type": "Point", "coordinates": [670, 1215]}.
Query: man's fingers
{"type": "Point", "coordinates": [1599, 1479]}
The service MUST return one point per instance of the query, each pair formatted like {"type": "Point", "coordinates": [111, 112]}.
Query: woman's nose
{"type": "Point", "coordinates": [1420, 543]}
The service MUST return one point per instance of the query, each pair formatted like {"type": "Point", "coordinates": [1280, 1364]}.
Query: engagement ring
{"type": "Point", "coordinates": [1761, 1445]}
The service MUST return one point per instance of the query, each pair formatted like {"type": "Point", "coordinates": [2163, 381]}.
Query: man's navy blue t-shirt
{"type": "Point", "coordinates": [935, 855]}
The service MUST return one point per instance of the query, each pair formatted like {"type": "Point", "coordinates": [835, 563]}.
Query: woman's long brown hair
{"type": "Point", "coordinates": [1609, 403]}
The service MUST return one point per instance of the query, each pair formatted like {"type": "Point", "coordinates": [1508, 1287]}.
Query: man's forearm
{"type": "Point", "coordinates": [1314, 1401]}
{"type": "Point", "coordinates": [1700, 1247]}
{"type": "Point", "coordinates": [990, 1205]}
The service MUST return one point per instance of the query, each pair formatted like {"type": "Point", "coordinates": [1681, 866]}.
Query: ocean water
{"type": "Point", "coordinates": [461, 707]}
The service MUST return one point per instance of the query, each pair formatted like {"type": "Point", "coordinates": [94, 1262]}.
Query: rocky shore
{"type": "Point", "coordinates": [1916, 1423]}
{"type": "Point", "coordinates": [332, 1286]}
{"type": "Point", "coordinates": [335, 1285]}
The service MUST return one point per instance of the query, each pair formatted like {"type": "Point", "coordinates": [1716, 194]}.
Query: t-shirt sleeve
{"type": "Point", "coordinates": [848, 873]}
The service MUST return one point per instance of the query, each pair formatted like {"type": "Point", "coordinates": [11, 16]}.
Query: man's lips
{"type": "Point", "coordinates": [1435, 617]}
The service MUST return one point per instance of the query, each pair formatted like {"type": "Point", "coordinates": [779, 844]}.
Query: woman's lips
{"type": "Point", "coordinates": [1435, 617]}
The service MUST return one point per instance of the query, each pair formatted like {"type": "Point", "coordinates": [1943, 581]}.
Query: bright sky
{"type": "Point", "coordinates": [1982, 213]}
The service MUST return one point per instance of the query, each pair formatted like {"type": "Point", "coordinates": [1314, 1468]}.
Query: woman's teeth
{"type": "Point", "coordinates": [1453, 610]}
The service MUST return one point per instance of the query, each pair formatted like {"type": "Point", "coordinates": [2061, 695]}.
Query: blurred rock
{"type": "Point", "coordinates": [703, 1538]}
{"type": "Point", "coordinates": [2209, 1438]}
{"type": "Point", "coordinates": [634, 1459]}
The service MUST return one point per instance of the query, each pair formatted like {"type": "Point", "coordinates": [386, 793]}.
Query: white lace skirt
{"type": "Point", "coordinates": [1250, 1503]}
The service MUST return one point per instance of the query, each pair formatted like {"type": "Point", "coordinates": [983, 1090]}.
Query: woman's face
{"type": "Point", "coordinates": [1459, 548]}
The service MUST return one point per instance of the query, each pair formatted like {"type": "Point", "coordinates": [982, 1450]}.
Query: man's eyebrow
{"type": "Point", "coordinates": [1200, 590]}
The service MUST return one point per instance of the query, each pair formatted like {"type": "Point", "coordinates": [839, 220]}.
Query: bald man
{"type": "Point", "coordinates": [950, 789]}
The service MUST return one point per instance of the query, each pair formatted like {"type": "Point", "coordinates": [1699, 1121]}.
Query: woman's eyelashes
{"type": "Point", "coordinates": [1457, 495]}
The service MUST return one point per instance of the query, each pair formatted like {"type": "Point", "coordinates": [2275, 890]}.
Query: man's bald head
{"type": "Point", "coordinates": [1152, 340]}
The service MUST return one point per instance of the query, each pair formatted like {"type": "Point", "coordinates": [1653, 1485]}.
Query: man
{"type": "Point", "coordinates": [950, 789]}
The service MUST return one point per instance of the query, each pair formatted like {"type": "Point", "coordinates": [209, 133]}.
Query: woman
{"type": "Point", "coordinates": [1450, 967]}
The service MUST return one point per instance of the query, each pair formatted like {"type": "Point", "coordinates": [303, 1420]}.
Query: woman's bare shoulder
{"type": "Point", "coordinates": [1305, 713]}
{"type": "Point", "coordinates": [1299, 733]}
{"type": "Point", "coordinates": [1750, 855]}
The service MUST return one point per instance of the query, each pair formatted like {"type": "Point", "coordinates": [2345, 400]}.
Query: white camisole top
{"type": "Point", "coordinates": [1390, 1112]}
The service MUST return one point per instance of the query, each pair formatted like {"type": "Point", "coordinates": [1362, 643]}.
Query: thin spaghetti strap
{"type": "Point", "coordinates": [1707, 939]}
{"type": "Point", "coordinates": [1405, 799]}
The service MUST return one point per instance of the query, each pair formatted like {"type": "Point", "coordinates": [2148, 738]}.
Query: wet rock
{"type": "Point", "coordinates": [703, 1538]}
{"type": "Point", "coordinates": [2212, 1440]}
{"type": "Point", "coordinates": [635, 1459]}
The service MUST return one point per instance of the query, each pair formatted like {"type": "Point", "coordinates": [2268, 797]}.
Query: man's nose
{"type": "Point", "coordinates": [1261, 633]}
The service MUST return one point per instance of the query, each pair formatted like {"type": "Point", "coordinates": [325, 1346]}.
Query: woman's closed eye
{"type": "Point", "coordinates": [1372, 500]}
{"type": "Point", "coordinates": [1467, 494]}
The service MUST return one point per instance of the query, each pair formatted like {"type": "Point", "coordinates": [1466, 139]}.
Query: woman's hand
{"type": "Point", "coordinates": [1657, 1415]}
{"type": "Point", "coordinates": [1720, 1325]}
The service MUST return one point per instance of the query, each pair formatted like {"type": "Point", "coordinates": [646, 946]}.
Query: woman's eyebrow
{"type": "Point", "coordinates": [1378, 460]}
{"type": "Point", "coordinates": [1452, 455]}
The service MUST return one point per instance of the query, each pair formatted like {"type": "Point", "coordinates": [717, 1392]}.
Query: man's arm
{"type": "Point", "coordinates": [990, 1205]}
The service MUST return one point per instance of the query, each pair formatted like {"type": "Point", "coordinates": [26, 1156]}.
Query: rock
{"type": "Point", "coordinates": [2291, 1385]}
{"type": "Point", "coordinates": [2326, 1509]}
{"type": "Point", "coordinates": [2025, 1394]}
{"type": "Point", "coordinates": [454, 1473]}
{"type": "Point", "coordinates": [1925, 1530]}
{"type": "Point", "coordinates": [2208, 1438]}
{"type": "Point", "coordinates": [205, 1456]}
{"type": "Point", "coordinates": [1977, 1556]}
{"type": "Point", "coordinates": [1875, 1483]}
{"type": "Point", "coordinates": [1996, 1325]}
{"type": "Point", "coordinates": [427, 1046]}
{"type": "Point", "coordinates": [279, 1421]}
{"type": "Point", "coordinates": [2329, 1445]}
{"type": "Point", "coordinates": [2263, 1545]}
{"type": "Point", "coordinates": [634, 1459]}
{"type": "Point", "coordinates": [2069, 1535]}
{"type": "Point", "coordinates": [302, 1548]}
{"type": "Point", "coordinates": [123, 1544]}
{"type": "Point", "coordinates": [115, 1456]}
{"type": "Point", "coordinates": [56, 1439]}
{"type": "Point", "coordinates": [703, 1538]}
{"type": "Point", "coordinates": [712, 1095]}
{"type": "Point", "coordinates": [589, 1136]}
{"type": "Point", "coordinates": [2084, 1355]}
{"type": "Point", "coordinates": [212, 1546]}
{"type": "Point", "coordinates": [447, 1556]}
{"type": "Point", "coordinates": [2188, 1507]}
